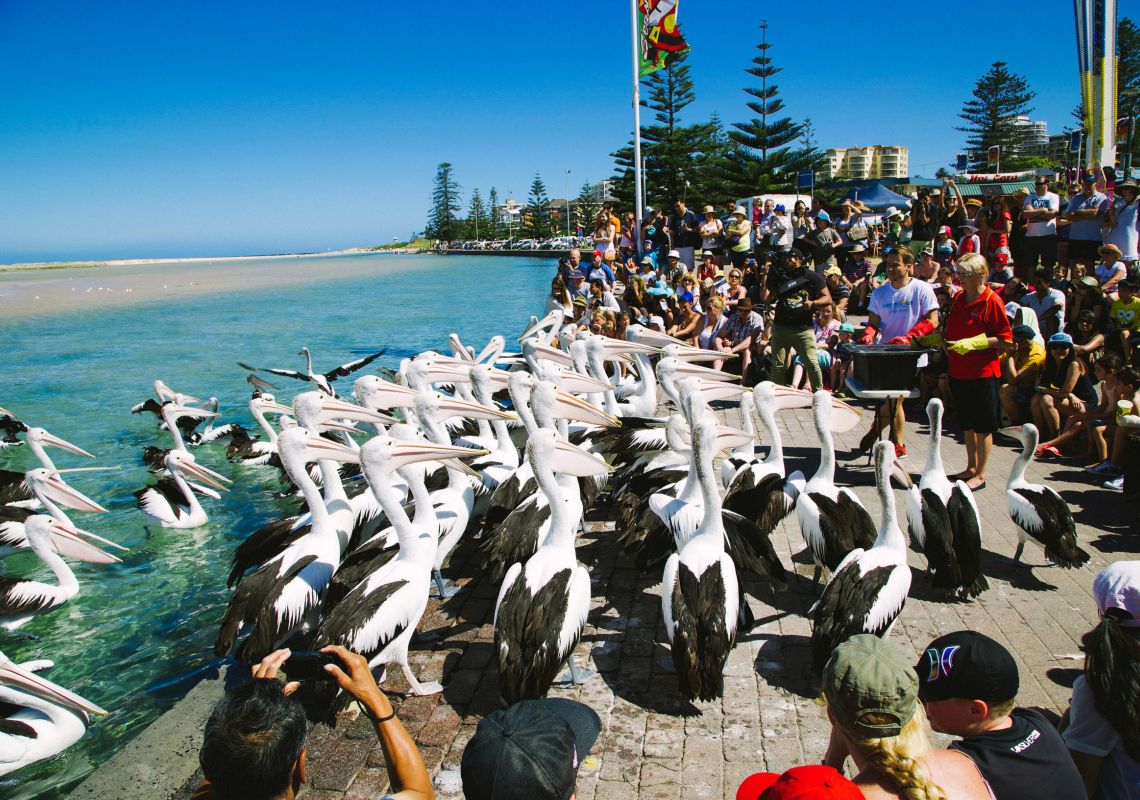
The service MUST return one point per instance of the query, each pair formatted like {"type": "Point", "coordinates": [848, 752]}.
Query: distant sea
{"type": "Point", "coordinates": [141, 633]}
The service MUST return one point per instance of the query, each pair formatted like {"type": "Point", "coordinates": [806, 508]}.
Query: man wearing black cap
{"type": "Point", "coordinates": [530, 751]}
{"type": "Point", "coordinates": [967, 684]}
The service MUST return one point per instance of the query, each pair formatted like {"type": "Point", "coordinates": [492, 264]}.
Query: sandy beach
{"type": "Point", "coordinates": [33, 289]}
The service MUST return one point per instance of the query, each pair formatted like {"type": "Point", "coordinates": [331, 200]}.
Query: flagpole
{"type": "Point", "coordinates": [638, 210]}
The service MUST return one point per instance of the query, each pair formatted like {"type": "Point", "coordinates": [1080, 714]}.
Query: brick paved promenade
{"type": "Point", "coordinates": [654, 744]}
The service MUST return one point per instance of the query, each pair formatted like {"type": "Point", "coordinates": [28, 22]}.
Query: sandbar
{"type": "Point", "coordinates": [50, 289]}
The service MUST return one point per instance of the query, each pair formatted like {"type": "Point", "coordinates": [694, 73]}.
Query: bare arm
{"type": "Point", "coordinates": [405, 764]}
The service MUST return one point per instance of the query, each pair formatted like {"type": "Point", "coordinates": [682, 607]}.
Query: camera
{"type": "Point", "coordinates": [309, 666]}
{"type": "Point", "coordinates": [563, 261]}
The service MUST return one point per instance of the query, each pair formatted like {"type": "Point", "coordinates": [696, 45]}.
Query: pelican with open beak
{"type": "Point", "coordinates": [171, 502]}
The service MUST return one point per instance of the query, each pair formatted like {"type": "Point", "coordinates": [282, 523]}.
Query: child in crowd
{"type": "Point", "coordinates": [1092, 421]}
{"type": "Point", "coordinates": [1125, 314]}
{"type": "Point", "coordinates": [1127, 422]}
{"type": "Point", "coordinates": [969, 241]}
{"type": "Point", "coordinates": [841, 359]}
{"type": "Point", "coordinates": [1020, 371]}
{"type": "Point", "coordinates": [968, 685]}
{"type": "Point", "coordinates": [1103, 734]}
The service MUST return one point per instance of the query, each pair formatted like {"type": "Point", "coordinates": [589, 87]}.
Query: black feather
{"type": "Point", "coordinates": [967, 544]}
{"type": "Point", "coordinates": [845, 525]}
{"type": "Point", "coordinates": [1058, 532]}
{"type": "Point", "coordinates": [526, 637]}
{"type": "Point", "coordinates": [701, 641]}
{"type": "Point", "coordinates": [842, 610]}
{"type": "Point", "coordinates": [263, 545]}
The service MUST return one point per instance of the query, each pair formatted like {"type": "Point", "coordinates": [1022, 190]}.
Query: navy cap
{"type": "Point", "coordinates": [966, 665]}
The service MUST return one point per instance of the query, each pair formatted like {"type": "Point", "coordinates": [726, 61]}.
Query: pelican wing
{"type": "Point", "coordinates": [939, 541]}
{"type": "Point", "coordinates": [843, 609]}
{"type": "Point", "coordinates": [13, 727]}
{"type": "Point", "coordinates": [759, 497]}
{"type": "Point", "coordinates": [162, 501]}
{"type": "Point", "coordinates": [353, 366]}
{"type": "Point", "coordinates": [14, 488]}
{"type": "Point", "coordinates": [27, 597]}
{"type": "Point", "coordinates": [1054, 526]}
{"type": "Point", "coordinates": [285, 373]}
{"type": "Point", "coordinates": [265, 544]}
{"type": "Point", "coordinates": [531, 636]}
{"type": "Point", "coordinates": [518, 536]}
{"type": "Point", "coordinates": [751, 549]}
{"type": "Point", "coordinates": [362, 623]}
{"type": "Point", "coordinates": [966, 524]}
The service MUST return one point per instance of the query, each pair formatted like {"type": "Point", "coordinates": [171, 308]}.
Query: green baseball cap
{"type": "Point", "coordinates": [871, 687]}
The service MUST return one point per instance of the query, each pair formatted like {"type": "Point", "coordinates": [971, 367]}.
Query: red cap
{"type": "Point", "coordinates": [1001, 258]}
{"type": "Point", "coordinates": [799, 783]}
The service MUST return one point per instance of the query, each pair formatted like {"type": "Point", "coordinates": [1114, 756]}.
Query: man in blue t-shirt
{"type": "Point", "coordinates": [1086, 214]}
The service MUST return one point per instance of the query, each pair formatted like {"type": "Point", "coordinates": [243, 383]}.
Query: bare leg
{"type": "Point", "coordinates": [982, 445]}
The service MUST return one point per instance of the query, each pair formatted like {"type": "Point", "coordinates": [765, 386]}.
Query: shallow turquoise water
{"type": "Point", "coordinates": [141, 633]}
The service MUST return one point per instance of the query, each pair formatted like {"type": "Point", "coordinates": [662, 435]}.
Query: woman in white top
{"type": "Point", "coordinates": [1121, 221]}
{"type": "Point", "coordinates": [559, 297]}
{"type": "Point", "coordinates": [604, 233]}
{"type": "Point", "coordinates": [711, 229]}
{"type": "Point", "coordinates": [1103, 734]}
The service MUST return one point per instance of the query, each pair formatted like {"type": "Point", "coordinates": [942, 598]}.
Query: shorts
{"type": "Point", "coordinates": [976, 403]}
{"type": "Point", "coordinates": [1084, 250]}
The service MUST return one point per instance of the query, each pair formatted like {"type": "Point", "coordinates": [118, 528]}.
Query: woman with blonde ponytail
{"type": "Point", "coordinates": [1103, 735]}
{"type": "Point", "coordinates": [872, 701]}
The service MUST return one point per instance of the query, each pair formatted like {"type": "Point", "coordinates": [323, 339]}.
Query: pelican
{"type": "Point", "coordinates": [283, 596]}
{"type": "Point", "coordinates": [832, 520]}
{"type": "Point", "coordinates": [171, 502]}
{"type": "Point", "coordinates": [1038, 510]}
{"type": "Point", "coordinates": [22, 600]}
{"type": "Point", "coordinates": [248, 451]}
{"type": "Point", "coordinates": [700, 592]}
{"type": "Point", "coordinates": [52, 492]}
{"type": "Point", "coordinates": [867, 591]}
{"type": "Point", "coordinates": [46, 720]}
{"type": "Point", "coordinates": [323, 382]}
{"type": "Point", "coordinates": [380, 615]}
{"type": "Point", "coordinates": [13, 488]}
{"type": "Point", "coordinates": [172, 414]}
{"type": "Point", "coordinates": [944, 521]}
{"type": "Point", "coordinates": [543, 604]}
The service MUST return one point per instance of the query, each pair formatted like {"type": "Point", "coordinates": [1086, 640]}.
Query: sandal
{"type": "Point", "coordinates": [1047, 450]}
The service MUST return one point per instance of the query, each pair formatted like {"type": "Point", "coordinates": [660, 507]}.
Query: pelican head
{"type": "Point", "coordinates": [67, 540]}
{"type": "Point", "coordinates": [42, 437]}
{"type": "Point", "coordinates": [183, 461]}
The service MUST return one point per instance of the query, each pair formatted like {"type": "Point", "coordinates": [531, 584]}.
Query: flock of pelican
{"type": "Point", "coordinates": [512, 449]}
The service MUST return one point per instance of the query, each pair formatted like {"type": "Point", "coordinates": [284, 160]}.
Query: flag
{"type": "Point", "coordinates": [660, 38]}
{"type": "Point", "coordinates": [995, 154]}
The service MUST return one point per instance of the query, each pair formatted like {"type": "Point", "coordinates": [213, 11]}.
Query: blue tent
{"type": "Point", "coordinates": [878, 197]}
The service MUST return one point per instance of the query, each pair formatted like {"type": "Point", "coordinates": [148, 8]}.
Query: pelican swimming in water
{"type": "Point", "coordinates": [13, 487]}
{"type": "Point", "coordinates": [321, 381]}
{"type": "Point", "coordinates": [21, 600]}
{"type": "Point", "coordinates": [171, 502]}
{"type": "Point", "coordinates": [41, 718]}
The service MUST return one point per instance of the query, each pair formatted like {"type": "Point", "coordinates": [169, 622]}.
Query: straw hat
{"type": "Point", "coordinates": [1110, 248]}
{"type": "Point", "coordinates": [708, 210]}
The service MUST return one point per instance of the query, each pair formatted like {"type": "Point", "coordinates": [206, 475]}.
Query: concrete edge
{"type": "Point", "coordinates": [159, 763]}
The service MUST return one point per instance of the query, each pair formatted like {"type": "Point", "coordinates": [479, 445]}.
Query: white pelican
{"type": "Point", "coordinates": [700, 592]}
{"type": "Point", "coordinates": [13, 488]}
{"type": "Point", "coordinates": [322, 382]}
{"type": "Point", "coordinates": [249, 451]}
{"type": "Point", "coordinates": [866, 593]}
{"type": "Point", "coordinates": [832, 520]}
{"type": "Point", "coordinates": [47, 718]}
{"type": "Point", "coordinates": [171, 502]}
{"type": "Point", "coordinates": [543, 604]}
{"type": "Point", "coordinates": [22, 600]}
{"type": "Point", "coordinates": [380, 615]}
{"type": "Point", "coordinates": [944, 521]}
{"type": "Point", "coordinates": [1038, 510]}
{"type": "Point", "coordinates": [52, 492]}
{"type": "Point", "coordinates": [283, 596]}
{"type": "Point", "coordinates": [172, 414]}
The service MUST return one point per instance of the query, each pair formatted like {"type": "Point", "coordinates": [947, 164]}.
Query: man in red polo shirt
{"type": "Point", "coordinates": [977, 331]}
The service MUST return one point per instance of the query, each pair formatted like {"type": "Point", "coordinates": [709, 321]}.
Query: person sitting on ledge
{"type": "Point", "coordinates": [253, 747]}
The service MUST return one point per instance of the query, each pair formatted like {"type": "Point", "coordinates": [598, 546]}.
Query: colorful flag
{"type": "Point", "coordinates": [661, 40]}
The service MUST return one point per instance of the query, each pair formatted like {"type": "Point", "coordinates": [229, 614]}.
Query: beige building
{"type": "Point", "coordinates": [866, 163]}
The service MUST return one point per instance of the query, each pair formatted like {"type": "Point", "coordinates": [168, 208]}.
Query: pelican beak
{"type": "Point", "coordinates": [26, 679]}
{"type": "Point", "coordinates": [458, 348]}
{"type": "Point", "coordinates": [577, 383]}
{"type": "Point", "coordinates": [844, 416]}
{"type": "Point", "coordinates": [56, 490]}
{"type": "Point", "coordinates": [651, 337]}
{"type": "Point", "coordinates": [1013, 431]}
{"type": "Point", "coordinates": [335, 408]}
{"type": "Point", "coordinates": [456, 407]}
{"type": "Point", "coordinates": [784, 397]}
{"type": "Point", "coordinates": [690, 354]}
{"type": "Point", "coordinates": [544, 323]}
{"type": "Point", "coordinates": [318, 448]}
{"type": "Point", "coordinates": [567, 406]}
{"type": "Point", "coordinates": [383, 394]}
{"type": "Point", "coordinates": [570, 459]}
{"type": "Point", "coordinates": [180, 410]}
{"type": "Point", "coordinates": [55, 441]}
{"type": "Point", "coordinates": [719, 390]}
{"type": "Point", "coordinates": [686, 370]}
{"type": "Point", "coordinates": [276, 408]}
{"type": "Point", "coordinates": [899, 472]}
{"type": "Point", "coordinates": [207, 475]}
{"type": "Point", "coordinates": [500, 378]}
{"type": "Point", "coordinates": [333, 425]}
{"type": "Point", "coordinates": [612, 348]}
{"type": "Point", "coordinates": [728, 438]}
{"type": "Point", "coordinates": [7, 413]}
{"type": "Point", "coordinates": [548, 353]}
{"type": "Point", "coordinates": [412, 452]}
{"type": "Point", "coordinates": [163, 392]}
{"type": "Point", "coordinates": [67, 541]}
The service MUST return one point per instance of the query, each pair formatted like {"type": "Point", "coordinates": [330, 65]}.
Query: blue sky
{"type": "Point", "coordinates": [135, 129]}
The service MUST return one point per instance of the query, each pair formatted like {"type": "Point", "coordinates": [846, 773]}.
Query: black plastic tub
{"type": "Point", "coordinates": [881, 367]}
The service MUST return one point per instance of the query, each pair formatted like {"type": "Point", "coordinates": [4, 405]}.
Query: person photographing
{"type": "Point", "coordinates": [797, 293]}
{"type": "Point", "coordinates": [901, 311]}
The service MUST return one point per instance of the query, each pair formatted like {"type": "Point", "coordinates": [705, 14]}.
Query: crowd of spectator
{"type": "Point", "coordinates": [783, 290]}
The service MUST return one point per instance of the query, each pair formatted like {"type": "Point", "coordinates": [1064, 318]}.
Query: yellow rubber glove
{"type": "Point", "coordinates": [933, 340]}
{"type": "Point", "coordinates": [963, 346]}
